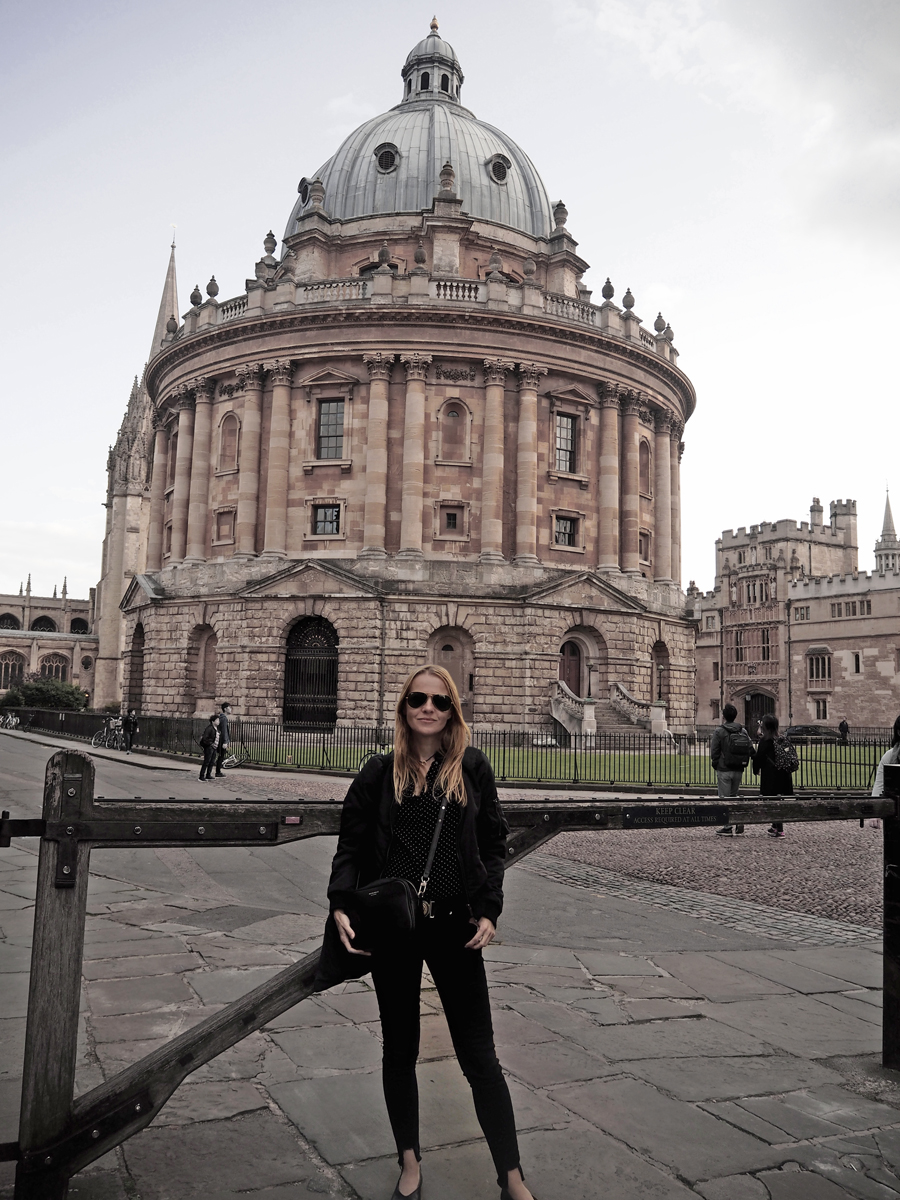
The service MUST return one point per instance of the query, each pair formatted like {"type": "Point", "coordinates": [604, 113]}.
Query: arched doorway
{"type": "Point", "coordinates": [453, 649]}
{"type": "Point", "coordinates": [570, 666]}
{"type": "Point", "coordinates": [311, 674]}
{"type": "Point", "coordinates": [756, 705]}
{"type": "Point", "coordinates": [135, 690]}
{"type": "Point", "coordinates": [660, 674]}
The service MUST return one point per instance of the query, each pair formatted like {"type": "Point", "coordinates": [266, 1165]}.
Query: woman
{"type": "Point", "coordinates": [209, 741]}
{"type": "Point", "coordinates": [387, 825]}
{"type": "Point", "coordinates": [888, 760]}
{"type": "Point", "coordinates": [772, 781]}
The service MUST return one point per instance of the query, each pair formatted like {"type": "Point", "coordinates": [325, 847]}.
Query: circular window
{"type": "Point", "coordinates": [499, 170]}
{"type": "Point", "coordinates": [86, 664]}
{"type": "Point", "coordinates": [387, 156]}
{"type": "Point", "coordinates": [303, 189]}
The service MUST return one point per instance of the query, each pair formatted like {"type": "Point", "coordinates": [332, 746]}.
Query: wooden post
{"type": "Point", "coordinates": [890, 1025]}
{"type": "Point", "coordinates": [55, 986]}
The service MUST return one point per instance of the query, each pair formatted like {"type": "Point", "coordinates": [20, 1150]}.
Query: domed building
{"type": "Point", "coordinates": [414, 437]}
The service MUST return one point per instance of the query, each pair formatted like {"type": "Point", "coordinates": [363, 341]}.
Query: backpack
{"type": "Point", "coordinates": [785, 755]}
{"type": "Point", "coordinates": [738, 749]}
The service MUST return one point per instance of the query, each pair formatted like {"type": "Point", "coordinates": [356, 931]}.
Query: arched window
{"type": "Point", "coordinates": [409, 85]}
{"type": "Point", "coordinates": [8, 621]}
{"type": "Point", "coordinates": [454, 432]}
{"type": "Point", "coordinates": [453, 648]}
{"type": "Point", "coordinates": [425, 82]}
{"type": "Point", "coordinates": [659, 673]}
{"type": "Point", "coordinates": [43, 625]}
{"type": "Point", "coordinates": [228, 443]}
{"type": "Point", "coordinates": [55, 666]}
{"type": "Point", "coordinates": [445, 83]}
{"type": "Point", "coordinates": [79, 625]}
{"type": "Point", "coordinates": [12, 668]}
{"type": "Point", "coordinates": [311, 674]}
{"type": "Point", "coordinates": [644, 467]}
{"type": "Point", "coordinates": [170, 461]}
{"type": "Point", "coordinates": [135, 688]}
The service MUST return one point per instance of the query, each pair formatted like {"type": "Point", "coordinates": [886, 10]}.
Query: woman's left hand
{"type": "Point", "coordinates": [485, 935]}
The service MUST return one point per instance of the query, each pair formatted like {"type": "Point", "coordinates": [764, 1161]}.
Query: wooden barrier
{"type": "Point", "coordinates": [58, 1136]}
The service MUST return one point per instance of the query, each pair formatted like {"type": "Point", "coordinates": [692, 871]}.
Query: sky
{"type": "Point", "coordinates": [736, 164]}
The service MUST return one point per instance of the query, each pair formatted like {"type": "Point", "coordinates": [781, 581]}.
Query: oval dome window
{"type": "Point", "coordinates": [498, 170]}
{"type": "Point", "coordinates": [387, 157]}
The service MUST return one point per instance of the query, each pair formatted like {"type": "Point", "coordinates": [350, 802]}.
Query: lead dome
{"type": "Point", "coordinates": [391, 163]}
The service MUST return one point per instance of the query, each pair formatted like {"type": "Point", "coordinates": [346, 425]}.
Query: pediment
{"type": "Point", "coordinates": [585, 590]}
{"type": "Point", "coordinates": [310, 579]}
{"type": "Point", "coordinates": [574, 395]}
{"type": "Point", "coordinates": [330, 378]}
{"type": "Point", "coordinates": [141, 589]}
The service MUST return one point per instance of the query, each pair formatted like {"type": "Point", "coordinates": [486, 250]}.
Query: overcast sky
{"type": "Point", "coordinates": [736, 164]}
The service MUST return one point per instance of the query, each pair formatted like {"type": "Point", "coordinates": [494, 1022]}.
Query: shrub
{"type": "Point", "coordinates": [12, 698]}
{"type": "Point", "coordinates": [36, 691]}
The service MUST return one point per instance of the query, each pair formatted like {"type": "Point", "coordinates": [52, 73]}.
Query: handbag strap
{"type": "Point", "coordinates": [426, 874]}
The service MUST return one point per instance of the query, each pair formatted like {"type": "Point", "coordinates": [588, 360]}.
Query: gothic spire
{"type": "Point", "coordinates": [168, 305]}
{"type": "Point", "coordinates": [888, 531]}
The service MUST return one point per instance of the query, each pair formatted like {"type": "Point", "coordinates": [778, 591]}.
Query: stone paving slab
{"type": "Point", "coordinates": [718, 980]}
{"type": "Point", "coordinates": [782, 969]}
{"type": "Point", "coordinates": [110, 997]}
{"type": "Point", "coordinates": [799, 1024]}
{"type": "Point", "coordinates": [859, 965]}
{"type": "Point", "coordinates": [725, 1078]}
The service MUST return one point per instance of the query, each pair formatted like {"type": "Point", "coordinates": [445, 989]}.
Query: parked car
{"type": "Point", "coordinates": [806, 735]}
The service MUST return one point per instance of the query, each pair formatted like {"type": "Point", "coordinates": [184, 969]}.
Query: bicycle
{"type": "Point", "coordinates": [110, 737]}
{"type": "Point", "coordinates": [237, 757]}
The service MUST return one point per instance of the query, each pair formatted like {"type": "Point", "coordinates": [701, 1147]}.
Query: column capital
{"type": "Point", "coordinates": [680, 450]}
{"type": "Point", "coordinates": [677, 428]}
{"type": "Point", "coordinates": [379, 365]}
{"type": "Point", "coordinates": [495, 369]}
{"type": "Point", "coordinates": [281, 370]}
{"type": "Point", "coordinates": [416, 365]}
{"type": "Point", "coordinates": [530, 375]}
{"type": "Point", "coordinates": [158, 420]}
{"type": "Point", "coordinates": [204, 388]}
{"type": "Point", "coordinates": [609, 394]}
{"type": "Point", "coordinates": [183, 398]}
{"type": "Point", "coordinates": [630, 401]}
{"type": "Point", "coordinates": [249, 375]}
{"type": "Point", "coordinates": [663, 420]}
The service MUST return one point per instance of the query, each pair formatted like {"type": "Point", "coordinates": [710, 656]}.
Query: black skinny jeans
{"type": "Point", "coordinates": [462, 986]}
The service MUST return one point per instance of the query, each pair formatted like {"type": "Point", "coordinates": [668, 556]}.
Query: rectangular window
{"type": "Point", "coordinates": [851, 608]}
{"type": "Point", "coordinates": [710, 622]}
{"type": "Point", "coordinates": [739, 646]}
{"type": "Point", "coordinates": [644, 547]}
{"type": "Point", "coordinates": [326, 519]}
{"type": "Point", "coordinates": [714, 705]}
{"type": "Point", "coordinates": [167, 539]}
{"type": "Point", "coordinates": [565, 443]}
{"type": "Point", "coordinates": [821, 710]}
{"type": "Point", "coordinates": [819, 668]}
{"type": "Point", "coordinates": [224, 526]}
{"type": "Point", "coordinates": [715, 672]}
{"type": "Point", "coordinates": [801, 613]}
{"type": "Point", "coordinates": [451, 518]}
{"type": "Point", "coordinates": [857, 665]}
{"type": "Point", "coordinates": [766, 646]}
{"type": "Point", "coordinates": [330, 436]}
{"type": "Point", "coordinates": [566, 531]}
{"type": "Point", "coordinates": [865, 608]}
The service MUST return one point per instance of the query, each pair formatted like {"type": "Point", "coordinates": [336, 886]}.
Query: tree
{"type": "Point", "coordinates": [39, 691]}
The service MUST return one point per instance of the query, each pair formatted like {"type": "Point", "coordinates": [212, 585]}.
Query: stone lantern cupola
{"type": "Point", "coordinates": [432, 70]}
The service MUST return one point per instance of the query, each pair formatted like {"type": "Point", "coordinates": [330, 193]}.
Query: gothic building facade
{"type": "Point", "coordinates": [50, 636]}
{"type": "Point", "coordinates": [794, 627]}
{"type": "Point", "coordinates": [413, 437]}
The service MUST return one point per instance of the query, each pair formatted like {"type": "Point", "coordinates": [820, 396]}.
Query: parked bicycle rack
{"type": "Point", "coordinates": [59, 1135]}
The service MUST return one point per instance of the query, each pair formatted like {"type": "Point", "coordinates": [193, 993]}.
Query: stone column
{"type": "Point", "coordinates": [526, 465]}
{"type": "Point", "coordinates": [250, 379]}
{"type": "Point", "coordinates": [379, 367]}
{"type": "Point", "coordinates": [608, 559]}
{"type": "Point", "coordinates": [198, 508]}
{"type": "Point", "coordinates": [182, 490]}
{"type": "Point", "coordinates": [662, 498]}
{"type": "Point", "coordinates": [413, 455]}
{"type": "Point", "coordinates": [631, 502]}
{"type": "Point", "coordinates": [275, 544]}
{"type": "Point", "coordinates": [492, 460]}
{"type": "Point", "coordinates": [158, 493]}
{"type": "Point", "coordinates": [676, 449]}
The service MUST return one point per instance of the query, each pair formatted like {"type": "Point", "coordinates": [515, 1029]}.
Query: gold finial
{"type": "Point", "coordinates": [434, 25]}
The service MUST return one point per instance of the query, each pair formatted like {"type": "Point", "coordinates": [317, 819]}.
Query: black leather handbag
{"type": "Point", "coordinates": [386, 907]}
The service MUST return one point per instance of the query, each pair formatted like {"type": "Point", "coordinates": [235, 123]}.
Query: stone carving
{"type": "Point", "coordinates": [610, 394]}
{"type": "Point", "coordinates": [663, 420]}
{"type": "Point", "coordinates": [204, 387]}
{"type": "Point", "coordinates": [530, 375]}
{"type": "Point", "coordinates": [416, 365]}
{"type": "Point", "coordinates": [281, 370]}
{"type": "Point", "coordinates": [249, 375]}
{"type": "Point", "coordinates": [454, 374]}
{"type": "Point", "coordinates": [495, 370]}
{"type": "Point", "coordinates": [379, 365]}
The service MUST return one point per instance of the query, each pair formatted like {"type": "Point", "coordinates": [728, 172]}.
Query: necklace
{"type": "Point", "coordinates": [426, 761]}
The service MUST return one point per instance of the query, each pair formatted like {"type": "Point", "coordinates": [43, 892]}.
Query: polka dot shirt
{"type": "Point", "coordinates": [414, 824]}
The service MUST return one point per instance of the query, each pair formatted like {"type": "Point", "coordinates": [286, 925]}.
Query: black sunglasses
{"type": "Point", "coordinates": [440, 702]}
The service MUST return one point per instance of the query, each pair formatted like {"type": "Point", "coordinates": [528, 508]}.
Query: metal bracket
{"type": "Point", "coordinates": [10, 829]}
{"type": "Point", "coordinates": [52, 1158]}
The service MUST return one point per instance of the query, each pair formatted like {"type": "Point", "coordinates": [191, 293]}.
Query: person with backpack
{"type": "Point", "coordinates": [774, 761]}
{"type": "Point", "coordinates": [730, 749]}
{"type": "Point", "coordinates": [209, 742]}
{"type": "Point", "coordinates": [888, 760]}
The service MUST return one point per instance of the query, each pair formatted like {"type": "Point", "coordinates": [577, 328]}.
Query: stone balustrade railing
{"type": "Point", "coordinates": [528, 299]}
{"type": "Point", "coordinates": [634, 710]}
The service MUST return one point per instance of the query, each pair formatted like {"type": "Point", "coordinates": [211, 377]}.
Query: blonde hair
{"type": "Point", "coordinates": [454, 740]}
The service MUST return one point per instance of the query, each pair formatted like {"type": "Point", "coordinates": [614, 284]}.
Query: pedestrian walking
{"type": "Point", "coordinates": [770, 763]}
{"type": "Point", "coordinates": [427, 815]}
{"type": "Point", "coordinates": [844, 730]}
{"type": "Point", "coordinates": [209, 740]}
{"type": "Point", "coordinates": [130, 728]}
{"type": "Point", "coordinates": [224, 739]}
{"type": "Point", "coordinates": [730, 749]}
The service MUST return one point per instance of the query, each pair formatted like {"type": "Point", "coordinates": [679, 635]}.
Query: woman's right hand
{"type": "Point", "coordinates": [345, 929]}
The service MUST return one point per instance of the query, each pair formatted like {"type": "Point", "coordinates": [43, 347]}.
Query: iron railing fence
{"type": "Point", "coordinates": [525, 756]}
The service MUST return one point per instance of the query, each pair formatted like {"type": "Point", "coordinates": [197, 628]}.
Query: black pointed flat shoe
{"type": "Point", "coordinates": [416, 1195]}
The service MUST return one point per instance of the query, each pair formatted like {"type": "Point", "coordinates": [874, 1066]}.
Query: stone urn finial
{"type": "Point", "coordinates": [628, 300]}
{"type": "Point", "coordinates": [529, 266]}
{"type": "Point", "coordinates": [607, 291]}
{"type": "Point", "coordinates": [212, 288]}
{"type": "Point", "coordinates": [420, 255]}
{"type": "Point", "coordinates": [196, 296]}
{"type": "Point", "coordinates": [669, 333]}
{"type": "Point", "coordinates": [560, 214]}
{"type": "Point", "coordinates": [269, 242]}
{"type": "Point", "coordinates": [171, 326]}
{"type": "Point", "coordinates": [448, 180]}
{"type": "Point", "coordinates": [317, 193]}
{"type": "Point", "coordinates": [495, 265]}
{"type": "Point", "coordinates": [384, 254]}
{"type": "Point", "coordinates": [434, 25]}
{"type": "Point", "coordinates": [660, 323]}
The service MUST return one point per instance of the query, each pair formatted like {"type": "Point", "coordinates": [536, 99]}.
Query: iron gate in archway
{"type": "Point", "coordinates": [311, 674]}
